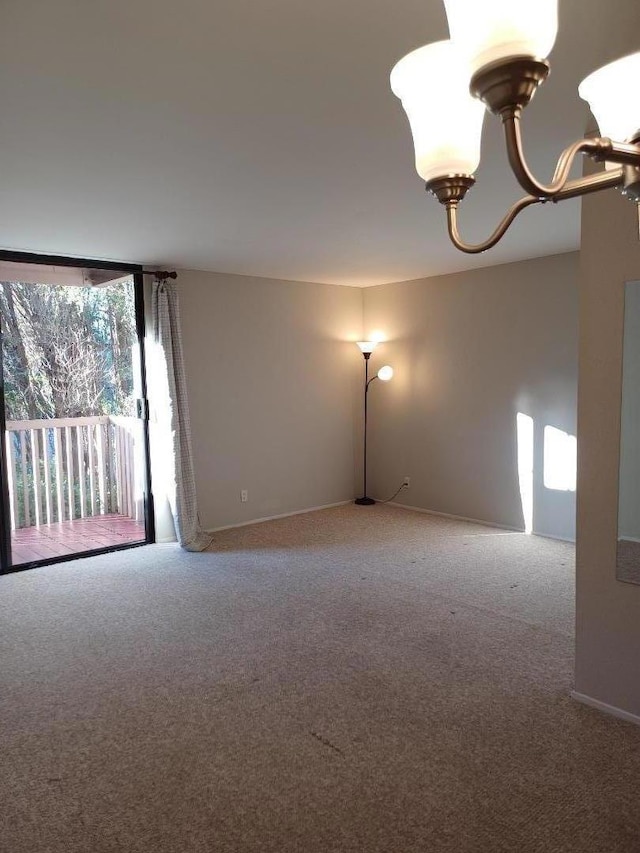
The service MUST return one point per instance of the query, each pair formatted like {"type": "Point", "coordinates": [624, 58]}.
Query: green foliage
{"type": "Point", "coordinates": [67, 351]}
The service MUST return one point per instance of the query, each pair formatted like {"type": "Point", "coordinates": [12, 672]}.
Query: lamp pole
{"type": "Point", "coordinates": [365, 500]}
{"type": "Point", "coordinates": [385, 373]}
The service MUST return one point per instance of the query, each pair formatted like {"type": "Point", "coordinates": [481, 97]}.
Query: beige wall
{"type": "Point", "coordinates": [272, 381]}
{"type": "Point", "coordinates": [470, 351]}
{"type": "Point", "coordinates": [608, 611]}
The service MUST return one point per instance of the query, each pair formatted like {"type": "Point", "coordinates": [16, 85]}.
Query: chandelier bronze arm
{"type": "Point", "coordinates": [571, 189]}
{"type": "Point", "coordinates": [470, 249]}
{"type": "Point", "coordinates": [597, 148]}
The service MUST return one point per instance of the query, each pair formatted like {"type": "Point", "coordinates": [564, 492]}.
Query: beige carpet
{"type": "Point", "coordinates": [628, 561]}
{"type": "Point", "coordinates": [358, 679]}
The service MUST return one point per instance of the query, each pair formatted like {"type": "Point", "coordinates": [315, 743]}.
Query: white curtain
{"type": "Point", "coordinates": [171, 411]}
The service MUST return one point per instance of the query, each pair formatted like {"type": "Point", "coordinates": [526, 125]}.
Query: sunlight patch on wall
{"type": "Point", "coordinates": [524, 432]}
{"type": "Point", "coordinates": [560, 460]}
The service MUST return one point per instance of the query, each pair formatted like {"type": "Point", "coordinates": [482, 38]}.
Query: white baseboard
{"type": "Point", "coordinates": [479, 521]}
{"type": "Point", "coordinates": [274, 517]}
{"type": "Point", "coordinates": [457, 517]}
{"type": "Point", "coordinates": [607, 709]}
{"type": "Point", "coordinates": [556, 538]}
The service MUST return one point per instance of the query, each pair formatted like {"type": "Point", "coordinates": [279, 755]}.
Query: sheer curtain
{"type": "Point", "coordinates": [171, 414]}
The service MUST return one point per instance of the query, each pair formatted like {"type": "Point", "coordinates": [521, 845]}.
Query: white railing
{"type": "Point", "coordinates": [61, 469]}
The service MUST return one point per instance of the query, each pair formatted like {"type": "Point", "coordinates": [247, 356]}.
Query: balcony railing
{"type": "Point", "coordinates": [61, 469]}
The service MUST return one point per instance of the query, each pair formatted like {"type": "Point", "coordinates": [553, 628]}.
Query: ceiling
{"type": "Point", "coordinates": [260, 138]}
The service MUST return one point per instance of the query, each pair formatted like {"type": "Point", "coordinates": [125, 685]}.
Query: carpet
{"type": "Point", "coordinates": [355, 679]}
{"type": "Point", "coordinates": [628, 561]}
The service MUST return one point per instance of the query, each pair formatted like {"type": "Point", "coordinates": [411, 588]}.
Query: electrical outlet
{"type": "Point", "coordinates": [407, 482]}
{"type": "Point", "coordinates": [244, 496]}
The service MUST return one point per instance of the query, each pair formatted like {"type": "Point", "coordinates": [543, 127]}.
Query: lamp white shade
{"type": "Point", "coordinates": [612, 94]}
{"type": "Point", "coordinates": [446, 122]}
{"type": "Point", "coordinates": [385, 373]}
{"type": "Point", "coordinates": [367, 346]}
{"type": "Point", "coordinates": [492, 30]}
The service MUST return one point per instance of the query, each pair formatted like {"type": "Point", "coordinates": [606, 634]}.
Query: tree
{"type": "Point", "coordinates": [67, 350]}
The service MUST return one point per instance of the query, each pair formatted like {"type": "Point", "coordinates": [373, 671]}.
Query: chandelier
{"type": "Point", "coordinates": [496, 59]}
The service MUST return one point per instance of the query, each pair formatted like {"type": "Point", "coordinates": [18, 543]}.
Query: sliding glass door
{"type": "Point", "coordinates": [75, 453]}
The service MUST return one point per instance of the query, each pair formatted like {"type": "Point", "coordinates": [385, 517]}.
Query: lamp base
{"type": "Point", "coordinates": [508, 85]}
{"type": "Point", "coordinates": [450, 188]}
{"type": "Point", "coordinates": [631, 188]}
{"type": "Point", "coordinates": [365, 501]}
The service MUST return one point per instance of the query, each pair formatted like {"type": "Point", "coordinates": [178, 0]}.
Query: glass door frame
{"type": "Point", "coordinates": [149, 518]}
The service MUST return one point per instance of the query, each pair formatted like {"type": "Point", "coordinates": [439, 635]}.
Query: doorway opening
{"type": "Point", "coordinates": [73, 411]}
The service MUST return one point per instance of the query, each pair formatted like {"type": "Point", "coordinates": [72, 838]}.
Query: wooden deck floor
{"type": "Point", "coordinates": [69, 537]}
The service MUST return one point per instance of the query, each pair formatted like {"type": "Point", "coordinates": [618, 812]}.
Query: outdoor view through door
{"type": "Point", "coordinates": [75, 456]}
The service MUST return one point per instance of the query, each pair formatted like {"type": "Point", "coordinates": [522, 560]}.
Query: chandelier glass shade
{"type": "Point", "coordinates": [612, 94]}
{"type": "Point", "coordinates": [494, 30]}
{"type": "Point", "coordinates": [446, 121]}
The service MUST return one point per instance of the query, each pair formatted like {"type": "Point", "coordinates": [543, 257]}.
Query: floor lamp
{"type": "Point", "coordinates": [385, 373]}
